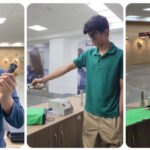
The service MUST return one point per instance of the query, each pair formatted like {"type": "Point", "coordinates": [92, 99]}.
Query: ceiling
{"type": "Point", "coordinates": [136, 10]}
{"type": "Point", "coordinates": [12, 30]}
{"type": "Point", "coordinates": [60, 18]}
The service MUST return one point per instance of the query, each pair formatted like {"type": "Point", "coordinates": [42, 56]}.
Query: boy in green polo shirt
{"type": "Point", "coordinates": [104, 86]}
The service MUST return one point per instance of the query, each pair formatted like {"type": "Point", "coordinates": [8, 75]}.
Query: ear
{"type": "Point", "coordinates": [106, 32]}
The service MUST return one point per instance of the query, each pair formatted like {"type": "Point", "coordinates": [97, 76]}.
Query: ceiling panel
{"type": "Point", "coordinates": [13, 29]}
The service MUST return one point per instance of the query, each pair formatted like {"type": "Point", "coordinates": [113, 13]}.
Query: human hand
{"type": "Point", "coordinates": [38, 83]}
{"type": "Point", "coordinates": [7, 86]}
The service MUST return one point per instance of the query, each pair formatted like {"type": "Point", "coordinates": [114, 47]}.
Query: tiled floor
{"type": "Point", "coordinates": [138, 79]}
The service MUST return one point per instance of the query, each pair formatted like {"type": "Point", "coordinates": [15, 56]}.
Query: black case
{"type": "Point", "coordinates": [15, 135]}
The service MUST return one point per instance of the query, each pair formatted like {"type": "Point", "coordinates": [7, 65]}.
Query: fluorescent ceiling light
{"type": "Point", "coordinates": [132, 16]}
{"type": "Point", "coordinates": [17, 44]}
{"type": "Point", "coordinates": [114, 19]}
{"type": "Point", "coordinates": [146, 9]}
{"type": "Point", "coordinates": [103, 10]}
{"type": "Point", "coordinates": [118, 25]}
{"type": "Point", "coordinates": [4, 44]}
{"type": "Point", "coordinates": [37, 28]}
{"type": "Point", "coordinates": [2, 20]}
{"type": "Point", "coordinates": [146, 19]}
{"type": "Point", "coordinates": [107, 13]}
{"type": "Point", "coordinates": [97, 6]}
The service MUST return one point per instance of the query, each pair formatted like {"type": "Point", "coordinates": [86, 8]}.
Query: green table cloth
{"type": "Point", "coordinates": [35, 116]}
{"type": "Point", "coordinates": [136, 115]}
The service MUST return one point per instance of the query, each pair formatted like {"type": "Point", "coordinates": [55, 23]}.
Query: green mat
{"type": "Point", "coordinates": [136, 115]}
{"type": "Point", "coordinates": [35, 116]}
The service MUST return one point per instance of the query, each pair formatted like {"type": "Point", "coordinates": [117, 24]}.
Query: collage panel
{"type": "Point", "coordinates": [74, 75]}
{"type": "Point", "coordinates": [11, 76]}
{"type": "Point", "coordinates": [64, 86]}
{"type": "Point", "coordinates": [138, 75]}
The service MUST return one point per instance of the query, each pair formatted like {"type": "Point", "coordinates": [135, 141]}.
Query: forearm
{"type": "Point", "coordinates": [59, 72]}
{"type": "Point", "coordinates": [7, 105]}
{"type": "Point", "coordinates": [121, 98]}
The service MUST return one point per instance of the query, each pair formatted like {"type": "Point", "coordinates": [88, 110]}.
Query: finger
{"type": "Point", "coordinates": [33, 82]}
{"type": "Point", "coordinates": [36, 86]}
{"type": "Point", "coordinates": [11, 75]}
{"type": "Point", "coordinates": [6, 86]}
{"type": "Point", "coordinates": [9, 80]}
{"type": "Point", "coordinates": [1, 83]}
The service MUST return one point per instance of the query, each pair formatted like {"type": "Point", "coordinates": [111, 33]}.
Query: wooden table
{"type": "Point", "coordinates": [138, 134]}
{"type": "Point", "coordinates": [39, 130]}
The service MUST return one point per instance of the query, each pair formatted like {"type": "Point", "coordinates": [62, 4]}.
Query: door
{"type": "Point", "coordinates": [46, 137]}
{"type": "Point", "coordinates": [70, 131]}
{"type": "Point", "coordinates": [138, 135]}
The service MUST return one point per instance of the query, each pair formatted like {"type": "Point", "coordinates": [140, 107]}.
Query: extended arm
{"type": "Point", "coordinates": [59, 72]}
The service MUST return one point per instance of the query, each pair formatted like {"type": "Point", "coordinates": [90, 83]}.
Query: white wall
{"type": "Point", "coordinates": [63, 51]}
{"type": "Point", "coordinates": [117, 38]}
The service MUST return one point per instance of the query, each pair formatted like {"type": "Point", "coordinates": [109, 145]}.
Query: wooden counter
{"type": "Point", "coordinates": [138, 134]}
{"type": "Point", "coordinates": [136, 105]}
{"type": "Point", "coordinates": [77, 108]}
{"type": "Point", "coordinates": [39, 130]}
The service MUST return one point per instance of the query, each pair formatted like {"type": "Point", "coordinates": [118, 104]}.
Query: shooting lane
{"type": "Point", "coordinates": [12, 51]}
{"type": "Point", "coordinates": [137, 76]}
{"type": "Point", "coordinates": [60, 42]}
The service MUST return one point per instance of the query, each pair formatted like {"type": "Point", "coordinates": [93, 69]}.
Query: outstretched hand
{"type": "Point", "coordinates": [38, 83]}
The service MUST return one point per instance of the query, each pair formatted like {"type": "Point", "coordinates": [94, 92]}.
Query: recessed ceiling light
{"type": "Point", "coordinates": [97, 6]}
{"type": "Point", "coordinates": [116, 25]}
{"type": "Point", "coordinates": [2, 20]}
{"type": "Point", "coordinates": [4, 44]}
{"type": "Point", "coordinates": [103, 10]}
{"type": "Point", "coordinates": [132, 16]}
{"type": "Point", "coordinates": [114, 19]}
{"type": "Point", "coordinates": [107, 13]}
{"type": "Point", "coordinates": [146, 9]}
{"type": "Point", "coordinates": [37, 28]}
{"type": "Point", "coordinates": [17, 44]}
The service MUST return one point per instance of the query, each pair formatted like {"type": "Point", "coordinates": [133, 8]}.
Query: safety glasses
{"type": "Point", "coordinates": [93, 35]}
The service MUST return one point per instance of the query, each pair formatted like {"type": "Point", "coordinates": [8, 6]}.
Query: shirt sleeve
{"type": "Point", "coordinates": [16, 118]}
{"type": "Point", "coordinates": [121, 66]}
{"type": "Point", "coordinates": [81, 60]}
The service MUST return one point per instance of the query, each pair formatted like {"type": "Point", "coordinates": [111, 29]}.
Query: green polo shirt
{"type": "Point", "coordinates": [102, 80]}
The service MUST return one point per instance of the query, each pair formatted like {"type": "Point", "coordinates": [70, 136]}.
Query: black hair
{"type": "Point", "coordinates": [96, 23]}
{"type": "Point", "coordinates": [35, 59]}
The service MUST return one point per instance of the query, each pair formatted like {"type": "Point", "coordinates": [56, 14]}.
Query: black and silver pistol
{"type": "Point", "coordinates": [12, 68]}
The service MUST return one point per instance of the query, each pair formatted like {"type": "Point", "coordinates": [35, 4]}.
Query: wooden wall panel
{"type": "Point", "coordinates": [134, 55]}
{"type": "Point", "coordinates": [13, 53]}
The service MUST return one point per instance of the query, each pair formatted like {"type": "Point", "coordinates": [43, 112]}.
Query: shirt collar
{"type": "Point", "coordinates": [111, 50]}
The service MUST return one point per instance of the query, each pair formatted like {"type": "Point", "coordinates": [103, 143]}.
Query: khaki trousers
{"type": "Point", "coordinates": [102, 132]}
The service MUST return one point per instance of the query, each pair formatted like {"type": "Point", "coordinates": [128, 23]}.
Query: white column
{"type": "Point", "coordinates": [62, 52]}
